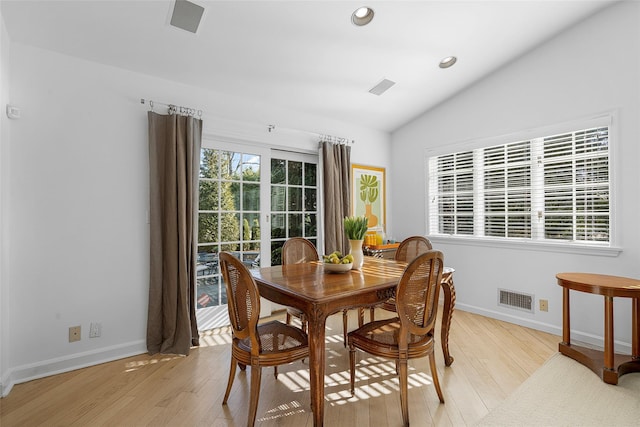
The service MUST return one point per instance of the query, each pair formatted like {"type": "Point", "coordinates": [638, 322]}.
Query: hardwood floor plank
{"type": "Point", "coordinates": [491, 359]}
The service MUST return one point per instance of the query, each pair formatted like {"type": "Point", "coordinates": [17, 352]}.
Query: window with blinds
{"type": "Point", "coordinates": [553, 188]}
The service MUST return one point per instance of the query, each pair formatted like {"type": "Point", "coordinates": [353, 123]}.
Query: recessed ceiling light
{"type": "Point", "coordinates": [362, 16]}
{"type": "Point", "coordinates": [448, 62]}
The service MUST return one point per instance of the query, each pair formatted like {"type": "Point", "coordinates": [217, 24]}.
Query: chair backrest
{"type": "Point", "coordinates": [243, 299]}
{"type": "Point", "coordinates": [417, 294]}
{"type": "Point", "coordinates": [297, 250]}
{"type": "Point", "coordinates": [411, 247]}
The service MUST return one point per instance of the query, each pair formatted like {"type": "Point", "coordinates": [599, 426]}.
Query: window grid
{"type": "Point", "coordinates": [553, 188]}
{"type": "Point", "coordinates": [293, 203]}
{"type": "Point", "coordinates": [228, 217]}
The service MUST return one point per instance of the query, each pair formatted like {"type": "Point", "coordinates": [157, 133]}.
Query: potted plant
{"type": "Point", "coordinates": [355, 227]}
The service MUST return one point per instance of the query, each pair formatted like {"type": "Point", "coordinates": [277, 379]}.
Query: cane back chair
{"type": "Point", "coordinates": [270, 344]}
{"type": "Point", "coordinates": [298, 250]}
{"type": "Point", "coordinates": [410, 335]}
{"type": "Point", "coordinates": [407, 251]}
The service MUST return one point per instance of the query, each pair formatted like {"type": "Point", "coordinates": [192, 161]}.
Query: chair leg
{"type": "Point", "coordinates": [372, 311]}
{"type": "Point", "coordinates": [434, 375]}
{"type": "Point", "coordinates": [352, 367]}
{"type": "Point", "coordinates": [404, 390]}
{"type": "Point", "coordinates": [344, 326]}
{"type": "Point", "coordinates": [232, 375]}
{"type": "Point", "coordinates": [256, 373]}
{"type": "Point", "coordinates": [288, 318]}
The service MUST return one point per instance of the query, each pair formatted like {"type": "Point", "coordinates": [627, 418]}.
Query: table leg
{"type": "Point", "coordinates": [447, 314]}
{"type": "Point", "coordinates": [608, 333]}
{"type": "Point", "coordinates": [635, 327]}
{"type": "Point", "coordinates": [317, 324]}
{"type": "Point", "coordinates": [566, 323]}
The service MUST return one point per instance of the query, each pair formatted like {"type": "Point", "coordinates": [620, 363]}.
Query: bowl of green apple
{"type": "Point", "coordinates": [335, 262]}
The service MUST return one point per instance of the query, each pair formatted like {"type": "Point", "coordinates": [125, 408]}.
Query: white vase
{"type": "Point", "coordinates": [356, 251]}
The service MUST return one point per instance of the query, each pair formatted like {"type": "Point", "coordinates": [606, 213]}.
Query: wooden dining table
{"type": "Point", "coordinates": [319, 294]}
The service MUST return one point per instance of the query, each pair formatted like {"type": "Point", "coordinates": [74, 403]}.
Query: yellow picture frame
{"type": "Point", "coordinates": [369, 195]}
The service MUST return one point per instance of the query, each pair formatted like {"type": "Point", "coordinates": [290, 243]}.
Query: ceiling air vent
{"type": "Point", "coordinates": [382, 87]}
{"type": "Point", "coordinates": [186, 15]}
{"type": "Point", "coordinates": [515, 300]}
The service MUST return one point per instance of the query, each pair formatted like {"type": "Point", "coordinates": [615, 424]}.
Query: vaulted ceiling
{"type": "Point", "coordinates": [304, 55]}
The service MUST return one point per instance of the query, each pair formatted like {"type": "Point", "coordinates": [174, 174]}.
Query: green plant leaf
{"type": "Point", "coordinates": [355, 227]}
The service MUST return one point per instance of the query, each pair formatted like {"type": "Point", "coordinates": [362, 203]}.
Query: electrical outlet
{"type": "Point", "coordinates": [95, 330]}
{"type": "Point", "coordinates": [74, 333]}
{"type": "Point", "coordinates": [544, 305]}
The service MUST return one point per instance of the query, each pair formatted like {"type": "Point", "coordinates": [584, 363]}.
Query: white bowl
{"type": "Point", "coordinates": [337, 268]}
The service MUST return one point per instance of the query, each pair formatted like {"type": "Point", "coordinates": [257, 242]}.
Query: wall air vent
{"type": "Point", "coordinates": [381, 87]}
{"type": "Point", "coordinates": [517, 300]}
{"type": "Point", "coordinates": [186, 15]}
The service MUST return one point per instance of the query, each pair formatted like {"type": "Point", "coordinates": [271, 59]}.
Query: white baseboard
{"type": "Point", "coordinates": [45, 368]}
{"type": "Point", "coordinates": [576, 335]}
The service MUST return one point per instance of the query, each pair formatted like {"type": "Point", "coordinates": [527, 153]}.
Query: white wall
{"type": "Point", "coordinates": [591, 68]}
{"type": "Point", "coordinates": [79, 194]}
{"type": "Point", "coordinates": [4, 142]}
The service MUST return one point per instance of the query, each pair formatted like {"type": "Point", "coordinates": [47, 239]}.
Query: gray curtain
{"type": "Point", "coordinates": [174, 160]}
{"type": "Point", "coordinates": [336, 160]}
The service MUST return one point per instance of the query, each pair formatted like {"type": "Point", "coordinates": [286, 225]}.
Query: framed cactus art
{"type": "Point", "coordinates": [368, 195]}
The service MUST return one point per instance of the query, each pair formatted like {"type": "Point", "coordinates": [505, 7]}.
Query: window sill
{"type": "Point", "coordinates": [561, 247]}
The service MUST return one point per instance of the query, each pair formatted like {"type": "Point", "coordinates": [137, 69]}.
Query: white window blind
{"type": "Point", "coordinates": [553, 188]}
{"type": "Point", "coordinates": [576, 186]}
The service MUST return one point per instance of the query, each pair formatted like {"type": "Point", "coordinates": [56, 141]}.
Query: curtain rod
{"type": "Point", "coordinates": [175, 109]}
{"type": "Point", "coordinates": [336, 139]}
{"type": "Point", "coordinates": [322, 137]}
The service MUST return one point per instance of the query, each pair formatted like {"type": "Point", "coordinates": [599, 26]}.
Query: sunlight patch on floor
{"type": "Point", "coordinates": [138, 364]}
{"type": "Point", "coordinates": [283, 410]}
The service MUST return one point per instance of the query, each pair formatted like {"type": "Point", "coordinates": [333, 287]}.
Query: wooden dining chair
{"type": "Point", "coordinates": [269, 344]}
{"type": "Point", "coordinates": [297, 250]}
{"type": "Point", "coordinates": [408, 250]}
{"type": "Point", "coordinates": [411, 334]}
{"type": "Point", "coordinates": [411, 247]}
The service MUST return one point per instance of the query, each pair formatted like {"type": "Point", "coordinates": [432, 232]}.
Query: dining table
{"type": "Point", "coordinates": [319, 294]}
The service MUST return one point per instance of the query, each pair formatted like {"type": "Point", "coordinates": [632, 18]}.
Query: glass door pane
{"type": "Point", "coordinates": [294, 209]}
{"type": "Point", "coordinates": [228, 218]}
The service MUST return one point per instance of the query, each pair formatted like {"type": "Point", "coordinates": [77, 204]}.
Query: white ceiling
{"type": "Point", "coordinates": [304, 55]}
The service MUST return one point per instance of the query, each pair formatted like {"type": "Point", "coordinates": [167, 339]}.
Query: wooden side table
{"type": "Point", "coordinates": [608, 365]}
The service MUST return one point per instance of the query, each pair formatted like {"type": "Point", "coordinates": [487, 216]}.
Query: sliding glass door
{"type": "Point", "coordinates": [251, 199]}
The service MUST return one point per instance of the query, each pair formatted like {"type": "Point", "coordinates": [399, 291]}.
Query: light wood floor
{"type": "Point", "coordinates": [491, 359]}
